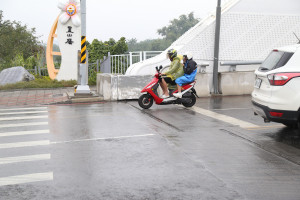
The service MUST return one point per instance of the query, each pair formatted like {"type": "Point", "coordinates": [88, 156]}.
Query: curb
{"type": "Point", "coordinates": [86, 100]}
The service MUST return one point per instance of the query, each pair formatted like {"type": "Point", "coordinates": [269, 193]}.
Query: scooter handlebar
{"type": "Point", "coordinates": [158, 69]}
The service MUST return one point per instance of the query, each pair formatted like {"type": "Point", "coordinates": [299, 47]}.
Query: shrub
{"type": "Point", "coordinates": [39, 82]}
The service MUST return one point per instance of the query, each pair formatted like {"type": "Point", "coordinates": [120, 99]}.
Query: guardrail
{"type": "Point", "coordinates": [233, 64]}
{"type": "Point", "coordinates": [201, 67]}
{"type": "Point", "coordinates": [109, 65]}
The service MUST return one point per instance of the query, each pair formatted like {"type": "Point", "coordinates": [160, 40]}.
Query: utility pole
{"type": "Point", "coordinates": [83, 88]}
{"type": "Point", "coordinates": [216, 51]}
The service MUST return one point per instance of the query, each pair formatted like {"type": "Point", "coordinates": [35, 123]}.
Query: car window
{"type": "Point", "coordinates": [271, 61]}
{"type": "Point", "coordinates": [275, 60]}
{"type": "Point", "coordinates": [284, 59]}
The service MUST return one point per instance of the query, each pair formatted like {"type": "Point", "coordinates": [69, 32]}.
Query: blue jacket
{"type": "Point", "coordinates": [186, 78]}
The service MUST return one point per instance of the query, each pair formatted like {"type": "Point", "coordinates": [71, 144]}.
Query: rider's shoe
{"type": "Point", "coordinates": [178, 95]}
{"type": "Point", "coordinates": [164, 96]}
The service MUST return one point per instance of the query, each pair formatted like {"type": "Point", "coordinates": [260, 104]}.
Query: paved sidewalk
{"type": "Point", "coordinates": [32, 97]}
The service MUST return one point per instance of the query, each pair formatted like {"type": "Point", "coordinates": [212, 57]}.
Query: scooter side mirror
{"type": "Point", "coordinates": [160, 67]}
{"type": "Point", "coordinates": [156, 68]}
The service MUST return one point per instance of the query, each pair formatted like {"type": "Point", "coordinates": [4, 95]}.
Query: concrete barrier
{"type": "Point", "coordinates": [121, 87]}
{"type": "Point", "coordinates": [129, 87]}
{"type": "Point", "coordinates": [202, 85]}
{"type": "Point", "coordinates": [237, 83]}
{"type": "Point", "coordinates": [105, 86]}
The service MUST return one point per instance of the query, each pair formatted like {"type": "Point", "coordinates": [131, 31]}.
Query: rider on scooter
{"type": "Point", "coordinates": [190, 71]}
{"type": "Point", "coordinates": [175, 71]}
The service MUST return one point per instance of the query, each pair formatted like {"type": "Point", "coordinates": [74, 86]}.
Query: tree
{"type": "Point", "coordinates": [17, 41]}
{"type": "Point", "coordinates": [148, 45]}
{"type": "Point", "coordinates": [170, 33]}
{"type": "Point", "coordinates": [120, 47]}
{"type": "Point", "coordinates": [178, 27]}
{"type": "Point", "coordinates": [98, 49]}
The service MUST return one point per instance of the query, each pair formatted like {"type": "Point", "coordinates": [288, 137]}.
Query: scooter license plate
{"type": "Point", "coordinates": [257, 83]}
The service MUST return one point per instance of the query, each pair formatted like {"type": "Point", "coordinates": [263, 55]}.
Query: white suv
{"type": "Point", "coordinates": [276, 95]}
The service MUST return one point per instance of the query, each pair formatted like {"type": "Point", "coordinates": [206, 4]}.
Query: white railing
{"type": "Point", "coordinates": [120, 63]}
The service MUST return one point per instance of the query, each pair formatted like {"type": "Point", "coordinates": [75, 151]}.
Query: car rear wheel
{"type": "Point", "coordinates": [298, 122]}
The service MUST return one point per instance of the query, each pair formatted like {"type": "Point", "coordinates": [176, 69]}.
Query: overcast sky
{"type": "Point", "coordinates": [138, 19]}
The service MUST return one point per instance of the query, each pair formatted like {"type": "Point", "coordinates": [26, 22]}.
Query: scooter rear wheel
{"type": "Point", "coordinates": [191, 102]}
{"type": "Point", "coordinates": [146, 101]}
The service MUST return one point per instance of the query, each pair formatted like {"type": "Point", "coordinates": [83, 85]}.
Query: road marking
{"type": "Point", "coordinates": [18, 133]}
{"type": "Point", "coordinates": [110, 138]}
{"type": "Point", "coordinates": [18, 109]}
{"type": "Point", "coordinates": [20, 118]}
{"type": "Point", "coordinates": [21, 113]}
{"type": "Point", "coordinates": [24, 144]}
{"type": "Point", "coordinates": [233, 109]}
{"type": "Point", "coordinates": [223, 118]}
{"type": "Point", "coordinates": [27, 178]}
{"type": "Point", "coordinates": [10, 160]}
{"type": "Point", "coordinates": [265, 127]}
{"type": "Point", "coordinates": [23, 124]}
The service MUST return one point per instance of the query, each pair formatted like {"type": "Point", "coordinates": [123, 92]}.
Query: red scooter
{"type": "Point", "coordinates": [150, 93]}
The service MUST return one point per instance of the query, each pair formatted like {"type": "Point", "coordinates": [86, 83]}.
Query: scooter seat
{"type": "Point", "coordinates": [188, 83]}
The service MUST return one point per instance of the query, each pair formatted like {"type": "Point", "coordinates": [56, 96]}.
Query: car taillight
{"type": "Point", "coordinates": [281, 78]}
{"type": "Point", "coordinates": [276, 114]}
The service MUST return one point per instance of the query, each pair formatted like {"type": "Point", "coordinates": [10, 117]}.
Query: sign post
{"type": "Point", "coordinates": [216, 51]}
{"type": "Point", "coordinates": [83, 87]}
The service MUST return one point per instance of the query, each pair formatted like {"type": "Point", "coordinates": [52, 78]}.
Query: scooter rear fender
{"type": "Point", "coordinates": [186, 87]}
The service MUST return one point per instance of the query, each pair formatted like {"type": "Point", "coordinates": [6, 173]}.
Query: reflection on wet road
{"type": "Point", "coordinates": [115, 150]}
{"type": "Point", "coordinates": [285, 135]}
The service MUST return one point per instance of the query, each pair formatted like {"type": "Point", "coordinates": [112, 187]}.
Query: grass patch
{"type": "Point", "coordinates": [39, 82]}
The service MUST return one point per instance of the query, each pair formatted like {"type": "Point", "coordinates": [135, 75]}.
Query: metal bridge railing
{"type": "Point", "coordinates": [233, 64]}
{"type": "Point", "coordinates": [120, 63]}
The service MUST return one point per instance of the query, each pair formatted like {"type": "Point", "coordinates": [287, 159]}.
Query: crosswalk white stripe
{"type": "Point", "coordinates": [23, 124]}
{"type": "Point", "coordinates": [224, 118]}
{"type": "Point", "coordinates": [18, 133]}
{"type": "Point", "coordinates": [22, 113]}
{"type": "Point", "coordinates": [24, 117]}
{"type": "Point", "coordinates": [10, 160]}
{"type": "Point", "coordinates": [19, 109]}
{"type": "Point", "coordinates": [24, 144]}
{"type": "Point", "coordinates": [26, 178]}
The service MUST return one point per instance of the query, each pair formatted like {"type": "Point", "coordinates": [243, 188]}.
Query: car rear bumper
{"type": "Point", "coordinates": [264, 111]}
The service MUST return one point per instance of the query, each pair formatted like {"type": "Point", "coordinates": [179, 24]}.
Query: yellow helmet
{"type": "Point", "coordinates": [172, 53]}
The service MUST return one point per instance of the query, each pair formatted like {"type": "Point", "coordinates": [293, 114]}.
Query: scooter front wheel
{"type": "Point", "coordinates": [146, 101]}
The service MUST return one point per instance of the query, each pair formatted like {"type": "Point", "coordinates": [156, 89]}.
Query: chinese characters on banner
{"type": "Point", "coordinates": [69, 35]}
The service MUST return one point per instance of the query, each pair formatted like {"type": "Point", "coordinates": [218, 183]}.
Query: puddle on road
{"type": "Point", "coordinates": [287, 136]}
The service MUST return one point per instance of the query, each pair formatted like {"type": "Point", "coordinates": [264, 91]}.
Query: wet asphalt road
{"type": "Point", "coordinates": [115, 150]}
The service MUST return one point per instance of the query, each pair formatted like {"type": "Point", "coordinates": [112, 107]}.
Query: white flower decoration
{"type": "Point", "coordinates": [69, 9]}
